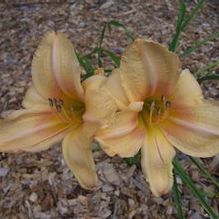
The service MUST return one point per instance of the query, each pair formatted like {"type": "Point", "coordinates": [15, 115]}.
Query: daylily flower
{"type": "Point", "coordinates": [159, 107]}
{"type": "Point", "coordinates": [54, 108]}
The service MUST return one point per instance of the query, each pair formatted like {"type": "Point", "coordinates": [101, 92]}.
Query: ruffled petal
{"type": "Point", "coordinates": [55, 69]}
{"type": "Point", "coordinates": [115, 90]}
{"type": "Point", "coordinates": [194, 131]}
{"type": "Point", "coordinates": [31, 130]}
{"type": "Point", "coordinates": [156, 162]}
{"type": "Point", "coordinates": [126, 145]}
{"type": "Point", "coordinates": [100, 106]}
{"type": "Point", "coordinates": [148, 68]}
{"type": "Point", "coordinates": [187, 93]}
{"type": "Point", "coordinates": [33, 99]}
{"type": "Point", "coordinates": [78, 155]}
{"type": "Point", "coordinates": [123, 123]}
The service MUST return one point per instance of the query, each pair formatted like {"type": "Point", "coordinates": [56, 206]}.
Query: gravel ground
{"type": "Point", "coordinates": [40, 185]}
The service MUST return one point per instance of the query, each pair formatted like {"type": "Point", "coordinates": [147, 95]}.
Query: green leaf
{"type": "Point", "coordinates": [133, 160]}
{"type": "Point", "coordinates": [188, 182]}
{"type": "Point", "coordinates": [182, 21]}
{"type": "Point", "coordinates": [181, 15]}
{"type": "Point", "coordinates": [199, 43]}
{"type": "Point", "coordinates": [116, 23]}
{"type": "Point", "coordinates": [204, 171]}
{"type": "Point", "coordinates": [193, 13]}
{"type": "Point", "coordinates": [88, 55]}
{"type": "Point", "coordinates": [205, 73]}
{"type": "Point", "coordinates": [99, 48]}
{"type": "Point", "coordinates": [177, 198]}
{"type": "Point", "coordinates": [208, 77]}
{"type": "Point", "coordinates": [113, 56]}
{"type": "Point", "coordinates": [86, 64]}
{"type": "Point", "coordinates": [208, 68]}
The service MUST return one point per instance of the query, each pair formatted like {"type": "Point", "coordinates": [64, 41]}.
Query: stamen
{"type": "Point", "coordinates": [168, 105]}
{"type": "Point", "coordinates": [68, 115]}
{"type": "Point", "coordinates": [58, 108]}
{"type": "Point", "coordinates": [167, 109]}
{"type": "Point", "coordinates": [50, 102]}
{"type": "Point", "coordinates": [58, 104]}
{"type": "Point", "coordinates": [159, 114]}
{"type": "Point", "coordinates": [152, 108]}
{"type": "Point", "coordinates": [163, 99]}
{"type": "Point", "coordinates": [61, 102]}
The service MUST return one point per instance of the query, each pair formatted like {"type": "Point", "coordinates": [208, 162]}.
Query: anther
{"type": "Point", "coordinates": [50, 102]}
{"type": "Point", "coordinates": [57, 103]}
{"type": "Point", "coordinates": [58, 108]}
{"type": "Point", "coordinates": [61, 102]}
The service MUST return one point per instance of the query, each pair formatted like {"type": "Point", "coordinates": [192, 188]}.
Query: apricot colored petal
{"type": "Point", "coordinates": [100, 107]}
{"type": "Point", "coordinates": [126, 145]}
{"type": "Point", "coordinates": [156, 162]}
{"type": "Point", "coordinates": [195, 131]}
{"type": "Point", "coordinates": [116, 91]}
{"type": "Point", "coordinates": [33, 99]}
{"type": "Point", "coordinates": [122, 123]}
{"type": "Point", "coordinates": [55, 69]}
{"type": "Point", "coordinates": [25, 130]}
{"type": "Point", "coordinates": [187, 93]}
{"type": "Point", "coordinates": [148, 68]}
{"type": "Point", "coordinates": [78, 155]}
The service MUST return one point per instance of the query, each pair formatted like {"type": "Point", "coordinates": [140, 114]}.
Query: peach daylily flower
{"type": "Point", "coordinates": [159, 107]}
{"type": "Point", "coordinates": [54, 108]}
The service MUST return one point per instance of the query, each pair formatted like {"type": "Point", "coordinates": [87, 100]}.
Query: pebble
{"type": "Point", "coordinates": [82, 199]}
{"type": "Point", "coordinates": [107, 188]}
{"type": "Point", "coordinates": [111, 175]}
{"type": "Point", "coordinates": [3, 171]}
{"type": "Point", "coordinates": [131, 203]}
{"type": "Point", "coordinates": [33, 197]}
{"type": "Point", "coordinates": [107, 4]}
{"type": "Point", "coordinates": [196, 215]}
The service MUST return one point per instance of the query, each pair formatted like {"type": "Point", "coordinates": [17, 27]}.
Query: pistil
{"type": "Point", "coordinates": [155, 110]}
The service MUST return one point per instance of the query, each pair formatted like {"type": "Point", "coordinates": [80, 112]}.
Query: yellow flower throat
{"type": "Point", "coordinates": [155, 110]}
{"type": "Point", "coordinates": [70, 113]}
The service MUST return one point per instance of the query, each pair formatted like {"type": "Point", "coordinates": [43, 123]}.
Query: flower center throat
{"type": "Point", "coordinates": [70, 113]}
{"type": "Point", "coordinates": [155, 110]}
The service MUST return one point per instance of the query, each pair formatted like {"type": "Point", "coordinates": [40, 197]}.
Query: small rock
{"type": "Point", "coordinates": [111, 175]}
{"type": "Point", "coordinates": [195, 216]}
{"type": "Point", "coordinates": [107, 188]}
{"type": "Point", "coordinates": [117, 192]}
{"type": "Point", "coordinates": [158, 200]}
{"type": "Point", "coordinates": [83, 199]}
{"type": "Point", "coordinates": [3, 171]}
{"type": "Point", "coordinates": [72, 202]}
{"type": "Point", "coordinates": [131, 203]}
{"type": "Point", "coordinates": [33, 197]}
{"type": "Point", "coordinates": [62, 208]}
{"type": "Point", "coordinates": [170, 210]}
{"type": "Point", "coordinates": [214, 165]}
{"type": "Point", "coordinates": [107, 4]}
{"type": "Point", "coordinates": [106, 213]}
